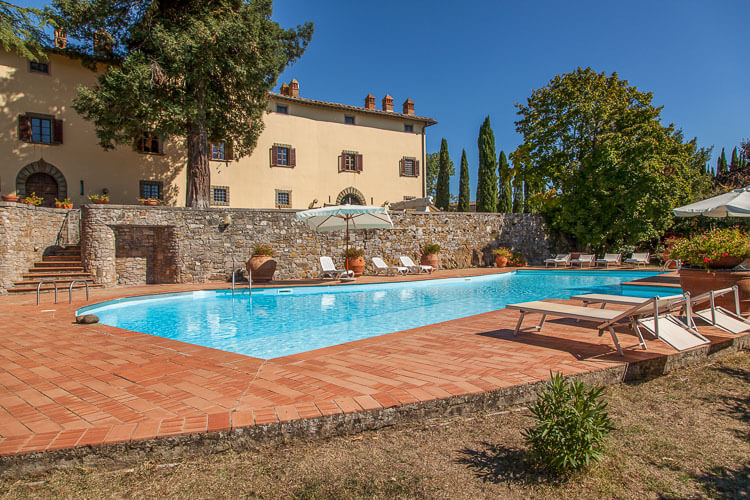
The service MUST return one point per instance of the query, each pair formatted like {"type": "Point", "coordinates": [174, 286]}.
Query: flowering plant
{"type": "Point", "coordinates": [99, 197]}
{"type": "Point", "coordinates": [353, 253]}
{"type": "Point", "coordinates": [517, 260]}
{"type": "Point", "coordinates": [705, 250]}
{"type": "Point", "coordinates": [504, 252]}
{"type": "Point", "coordinates": [263, 250]}
{"type": "Point", "coordinates": [33, 199]}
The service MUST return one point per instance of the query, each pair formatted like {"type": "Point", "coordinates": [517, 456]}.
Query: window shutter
{"type": "Point", "coordinates": [228, 151]}
{"type": "Point", "coordinates": [358, 163]}
{"type": "Point", "coordinates": [292, 157]}
{"type": "Point", "coordinates": [274, 155]}
{"type": "Point", "coordinates": [401, 163]}
{"type": "Point", "coordinates": [57, 131]}
{"type": "Point", "coordinates": [416, 168]}
{"type": "Point", "coordinates": [342, 161]}
{"type": "Point", "coordinates": [24, 128]}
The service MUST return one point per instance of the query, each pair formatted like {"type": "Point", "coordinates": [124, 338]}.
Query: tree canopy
{"type": "Point", "coordinates": [464, 190]}
{"type": "Point", "coordinates": [486, 176]}
{"type": "Point", "coordinates": [180, 68]}
{"type": "Point", "coordinates": [609, 172]}
{"type": "Point", "coordinates": [22, 31]}
{"type": "Point", "coordinates": [443, 188]}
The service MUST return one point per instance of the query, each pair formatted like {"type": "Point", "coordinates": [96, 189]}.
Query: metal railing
{"type": "Point", "coordinates": [39, 289]}
{"type": "Point", "coordinates": [249, 279]}
{"type": "Point", "coordinates": [70, 290]}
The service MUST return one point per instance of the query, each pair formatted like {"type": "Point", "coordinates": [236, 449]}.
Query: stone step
{"type": "Point", "coordinates": [44, 267]}
{"type": "Point", "coordinates": [51, 288]}
{"type": "Point", "coordinates": [61, 258]}
{"type": "Point", "coordinates": [58, 274]}
{"type": "Point", "coordinates": [63, 281]}
{"type": "Point", "coordinates": [67, 252]}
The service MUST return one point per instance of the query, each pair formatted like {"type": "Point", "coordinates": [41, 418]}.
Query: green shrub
{"type": "Point", "coordinates": [571, 425]}
{"type": "Point", "coordinates": [430, 248]}
{"type": "Point", "coordinates": [353, 253]}
{"type": "Point", "coordinates": [703, 249]}
{"type": "Point", "coordinates": [503, 252]}
{"type": "Point", "coordinates": [263, 250]}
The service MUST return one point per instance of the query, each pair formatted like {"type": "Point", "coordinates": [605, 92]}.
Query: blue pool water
{"type": "Point", "coordinates": [269, 323]}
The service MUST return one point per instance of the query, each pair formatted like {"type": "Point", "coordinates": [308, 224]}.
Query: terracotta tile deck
{"type": "Point", "coordinates": [64, 385]}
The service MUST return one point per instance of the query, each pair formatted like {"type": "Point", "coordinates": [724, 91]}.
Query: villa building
{"type": "Point", "coordinates": [310, 152]}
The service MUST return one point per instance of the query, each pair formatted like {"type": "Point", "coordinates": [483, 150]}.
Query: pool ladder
{"type": "Point", "coordinates": [249, 279]}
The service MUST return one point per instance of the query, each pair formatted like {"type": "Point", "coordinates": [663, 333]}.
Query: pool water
{"type": "Point", "coordinates": [268, 323]}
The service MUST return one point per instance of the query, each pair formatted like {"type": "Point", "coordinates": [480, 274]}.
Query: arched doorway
{"type": "Point", "coordinates": [43, 185]}
{"type": "Point", "coordinates": [350, 196]}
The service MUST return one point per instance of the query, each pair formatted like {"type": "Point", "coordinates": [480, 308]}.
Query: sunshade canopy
{"type": "Point", "coordinates": [735, 203]}
{"type": "Point", "coordinates": [344, 217]}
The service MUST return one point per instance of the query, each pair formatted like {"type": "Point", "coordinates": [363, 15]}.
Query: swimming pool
{"type": "Point", "coordinates": [273, 322]}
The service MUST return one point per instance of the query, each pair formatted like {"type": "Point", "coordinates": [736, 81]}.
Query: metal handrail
{"type": "Point", "coordinates": [39, 289]}
{"type": "Point", "coordinates": [70, 290]}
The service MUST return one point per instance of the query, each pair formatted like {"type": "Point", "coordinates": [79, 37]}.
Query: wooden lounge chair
{"type": "Point", "coordinates": [414, 268]}
{"type": "Point", "coordinates": [330, 271]}
{"type": "Point", "coordinates": [732, 322]}
{"type": "Point", "coordinates": [561, 258]}
{"type": "Point", "coordinates": [584, 258]}
{"type": "Point", "coordinates": [659, 311]}
{"type": "Point", "coordinates": [382, 268]}
{"type": "Point", "coordinates": [610, 259]}
{"type": "Point", "coordinates": [639, 259]}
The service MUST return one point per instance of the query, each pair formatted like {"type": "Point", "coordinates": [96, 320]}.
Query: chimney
{"type": "Point", "coordinates": [370, 101]}
{"type": "Point", "coordinates": [408, 107]}
{"type": "Point", "coordinates": [284, 89]}
{"type": "Point", "coordinates": [387, 103]}
{"type": "Point", "coordinates": [61, 39]}
{"type": "Point", "coordinates": [294, 88]}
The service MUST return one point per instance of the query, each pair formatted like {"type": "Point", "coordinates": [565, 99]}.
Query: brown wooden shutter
{"type": "Point", "coordinates": [24, 128]}
{"type": "Point", "coordinates": [401, 166]}
{"type": "Point", "coordinates": [228, 151]}
{"type": "Point", "coordinates": [416, 168]}
{"type": "Point", "coordinates": [292, 157]}
{"type": "Point", "coordinates": [358, 163]}
{"type": "Point", "coordinates": [274, 155]}
{"type": "Point", "coordinates": [342, 161]}
{"type": "Point", "coordinates": [57, 131]}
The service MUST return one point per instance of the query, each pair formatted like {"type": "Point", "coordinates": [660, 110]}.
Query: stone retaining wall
{"type": "Point", "coordinates": [135, 245]}
{"type": "Point", "coordinates": [27, 232]}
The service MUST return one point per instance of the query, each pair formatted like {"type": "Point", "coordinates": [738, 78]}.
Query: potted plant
{"type": "Point", "coordinates": [32, 199]}
{"type": "Point", "coordinates": [10, 197]}
{"type": "Point", "coordinates": [517, 260]}
{"type": "Point", "coordinates": [99, 199]}
{"type": "Point", "coordinates": [430, 255]}
{"type": "Point", "coordinates": [708, 261]}
{"type": "Point", "coordinates": [66, 203]}
{"type": "Point", "coordinates": [261, 266]}
{"type": "Point", "coordinates": [150, 202]}
{"type": "Point", "coordinates": [502, 256]}
{"type": "Point", "coordinates": [355, 261]}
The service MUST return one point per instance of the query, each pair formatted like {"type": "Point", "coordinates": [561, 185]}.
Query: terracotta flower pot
{"type": "Point", "coordinates": [697, 281]}
{"type": "Point", "coordinates": [501, 260]}
{"type": "Point", "coordinates": [25, 202]}
{"type": "Point", "coordinates": [150, 203]}
{"type": "Point", "coordinates": [356, 264]}
{"type": "Point", "coordinates": [261, 268]}
{"type": "Point", "coordinates": [100, 202]}
{"type": "Point", "coordinates": [10, 197]}
{"type": "Point", "coordinates": [727, 262]}
{"type": "Point", "coordinates": [430, 259]}
{"type": "Point", "coordinates": [66, 206]}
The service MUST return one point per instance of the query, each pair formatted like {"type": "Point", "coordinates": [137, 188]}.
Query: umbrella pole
{"type": "Point", "coordinates": [346, 259]}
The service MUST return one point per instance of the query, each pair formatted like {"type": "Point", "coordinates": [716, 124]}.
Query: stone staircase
{"type": "Point", "coordinates": [63, 266]}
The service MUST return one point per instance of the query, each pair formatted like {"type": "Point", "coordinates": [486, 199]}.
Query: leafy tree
{"type": "Point", "coordinates": [518, 188]}
{"type": "Point", "coordinates": [463, 185]}
{"type": "Point", "coordinates": [608, 173]}
{"type": "Point", "coordinates": [443, 188]}
{"type": "Point", "coordinates": [505, 189]}
{"type": "Point", "coordinates": [196, 70]}
{"type": "Point", "coordinates": [487, 177]}
{"type": "Point", "coordinates": [22, 31]}
{"type": "Point", "coordinates": [431, 172]}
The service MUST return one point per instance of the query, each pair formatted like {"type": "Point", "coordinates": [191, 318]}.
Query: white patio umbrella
{"type": "Point", "coordinates": [341, 217]}
{"type": "Point", "coordinates": [735, 203]}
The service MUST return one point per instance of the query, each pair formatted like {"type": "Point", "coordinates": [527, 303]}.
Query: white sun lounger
{"type": "Point", "coordinates": [382, 267]}
{"type": "Point", "coordinates": [729, 321]}
{"type": "Point", "coordinates": [639, 259]}
{"type": "Point", "coordinates": [604, 299]}
{"type": "Point", "coordinates": [414, 268]}
{"type": "Point", "coordinates": [584, 258]}
{"type": "Point", "coordinates": [330, 271]}
{"type": "Point", "coordinates": [614, 259]}
{"type": "Point", "coordinates": [561, 258]}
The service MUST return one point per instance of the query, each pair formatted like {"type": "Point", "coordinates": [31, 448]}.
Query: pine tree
{"type": "Point", "coordinates": [735, 165]}
{"type": "Point", "coordinates": [505, 201]}
{"type": "Point", "coordinates": [443, 188]}
{"type": "Point", "coordinates": [487, 177]}
{"type": "Point", "coordinates": [463, 185]}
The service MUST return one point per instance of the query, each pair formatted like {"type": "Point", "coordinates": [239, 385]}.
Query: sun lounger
{"type": "Point", "coordinates": [639, 259]}
{"type": "Point", "coordinates": [732, 322]}
{"type": "Point", "coordinates": [414, 268]}
{"type": "Point", "coordinates": [330, 271]}
{"type": "Point", "coordinates": [561, 258]}
{"type": "Point", "coordinates": [382, 268]}
{"type": "Point", "coordinates": [610, 259]}
{"type": "Point", "coordinates": [604, 299]}
{"type": "Point", "coordinates": [584, 258]}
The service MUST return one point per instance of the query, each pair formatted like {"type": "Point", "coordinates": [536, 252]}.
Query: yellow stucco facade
{"type": "Point", "coordinates": [318, 132]}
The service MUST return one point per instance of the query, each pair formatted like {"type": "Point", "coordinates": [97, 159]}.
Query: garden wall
{"type": "Point", "coordinates": [27, 232]}
{"type": "Point", "coordinates": [135, 245]}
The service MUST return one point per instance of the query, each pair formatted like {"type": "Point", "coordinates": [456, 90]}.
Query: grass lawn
{"type": "Point", "coordinates": [684, 435]}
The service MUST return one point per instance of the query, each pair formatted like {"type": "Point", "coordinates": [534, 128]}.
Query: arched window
{"type": "Point", "coordinates": [350, 196]}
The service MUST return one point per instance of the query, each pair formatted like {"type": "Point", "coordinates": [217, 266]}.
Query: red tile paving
{"type": "Point", "coordinates": [64, 385]}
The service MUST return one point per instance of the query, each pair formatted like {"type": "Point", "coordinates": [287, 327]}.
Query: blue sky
{"type": "Point", "coordinates": [461, 61]}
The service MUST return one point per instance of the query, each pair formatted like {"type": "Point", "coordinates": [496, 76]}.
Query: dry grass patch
{"type": "Point", "coordinates": [683, 435]}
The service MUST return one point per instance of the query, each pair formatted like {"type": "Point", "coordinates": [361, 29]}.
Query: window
{"type": "Point", "coordinates": [408, 127]}
{"type": "Point", "coordinates": [39, 67]}
{"type": "Point", "coordinates": [41, 129]}
{"type": "Point", "coordinates": [220, 195]}
{"type": "Point", "coordinates": [221, 151]}
{"type": "Point", "coordinates": [151, 189]}
{"type": "Point", "coordinates": [283, 155]}
{"type": "Point", "coordinates": [283, 199]}
{"type": "Point", "coordinates": [409, 167]}
{"type": "Point", "coordinates": [407, 198]}
{"type": "Point", "coordinates": [351, 161]}
{"type": "Point", "coordinates": [282, 109]}
{"type": "Point", "coordinates": [149, 143]}
{"type": "Point", "coordinates": [349, 120]}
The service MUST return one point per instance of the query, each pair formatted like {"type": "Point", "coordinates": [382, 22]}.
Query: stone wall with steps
{"type": "Point", "coordinates": [27, 233]}
{"type": "Point", "coordinates": [118, 242]}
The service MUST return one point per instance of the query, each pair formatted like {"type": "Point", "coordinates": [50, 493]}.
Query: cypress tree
{"type": "Point", "coordinates": [722, 166]}
{"type": "Point", "coordinates": [735, 161]}
{"type": "Point", "coordinates": [487, 177]}
{"type": "Point", "coordinates": [443, 188]}
{"type": "Point", "coordinates": [517, 191]}
{"type": "Point", "coordinates": [463, 185]}
{"type": "Point", "coordinates": [505, 201]}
